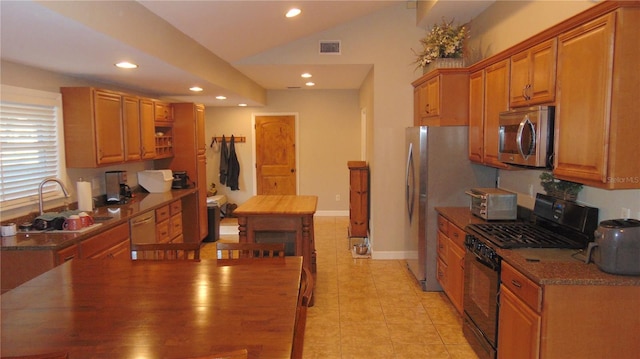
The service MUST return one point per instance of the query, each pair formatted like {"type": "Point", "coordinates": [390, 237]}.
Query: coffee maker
{"type": "Point", "coordinates": [116, 185]}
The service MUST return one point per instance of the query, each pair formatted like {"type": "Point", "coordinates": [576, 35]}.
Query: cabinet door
{"type": "Point", "coordinates": [585, 61]}
{"type": "Point", "coordinates": [163, 111]}
{"type": "Point", "coordinates": [520, 80]}
{"type": "Point", "coordinates": [131, 119]}
{"type": "Point", "coordinates": [476, 116]}
{"type": "Point", "coordinates": [147, 130]}
{"type": "Point", "coordinates": [518, 328]}
{"type": "Point", "coordinates": [67, 254]}
{"type": "Point", "coordinates": [533, 75]}
{"type": "Point", "coordinates": [455, 268]}
{"type": "Point", "coordinates": [496, 96]}
{"type": "Point", "coordinates": [433, 97]}
{"type": "Point", "coordinates": [201, 163]}
{"type": "Point", "coordinates": [108, 119]}
{"type": "Point", "coordinates": [200, 139]}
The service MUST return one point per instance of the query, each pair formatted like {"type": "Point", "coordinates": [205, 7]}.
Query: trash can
{"type": "Point", "coordinates": [213, 215]}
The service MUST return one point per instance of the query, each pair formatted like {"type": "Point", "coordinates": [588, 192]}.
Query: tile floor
{"type": "Point", "coordinates": [367, 309]}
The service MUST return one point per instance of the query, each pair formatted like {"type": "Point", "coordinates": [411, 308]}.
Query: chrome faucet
{"type": "Point", "coordinates": [50, 179]}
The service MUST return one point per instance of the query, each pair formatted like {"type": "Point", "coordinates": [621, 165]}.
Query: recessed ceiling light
{"type": "Point", "coordinates": [196, 89]}
{"type": "Point", "coordinates": [310, 83]}
{"type": "Point", "coordinates": [293, 12]}
{"type": "Point", "coordinates": [242, 105]}
{"type": "Point", "coordinates": [126, 65]}
{"type": "Point", "coordinates": [306, 75]}
{"type": "Point", "coordinates": [221, 97]}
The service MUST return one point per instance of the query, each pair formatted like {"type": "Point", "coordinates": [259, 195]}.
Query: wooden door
{"type": "Point", "coordinates": [496, 100]}
{"type": "Point", "coordinates": [131, 120]}
{"type": "Point", "coordinates": [518, 328]}
{"type": "Point", "coordinates": [276, 155]}
{"type": "Point", "coordinates": [476, 116]}
{"type": "Point", "coordinates": [108, 119]}
{"type": "Point", "coordinates": [585, 62]}
{"type": "Point", "coordinates": [147, 129]}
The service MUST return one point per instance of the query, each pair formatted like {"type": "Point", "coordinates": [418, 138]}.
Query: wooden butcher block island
{"type": "Point", "coordinates": [280, 218]}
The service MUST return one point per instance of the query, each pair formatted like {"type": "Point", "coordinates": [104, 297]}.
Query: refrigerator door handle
{"type": "Point", "coordinates": [410, 183]}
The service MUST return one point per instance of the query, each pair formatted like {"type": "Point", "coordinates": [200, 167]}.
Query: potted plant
{"type": "Point", "coordinates": [443, 41]}
{"type": "Point", "coordinates": [559, 188]}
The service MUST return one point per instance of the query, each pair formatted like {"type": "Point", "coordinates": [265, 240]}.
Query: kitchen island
{"type": "Point", "coordinates": [285, 218]}
{"type": "Point", "coordinates": [154, 309]}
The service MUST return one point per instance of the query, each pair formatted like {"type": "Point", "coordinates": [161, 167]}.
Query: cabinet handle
{"type": "Point", "coordinates": [66, 259]}
{"type": "Point", "coordinates": [516, 283]}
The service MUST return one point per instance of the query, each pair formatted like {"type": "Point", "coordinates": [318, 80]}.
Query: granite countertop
{"type": "Point", "coordinates": [545, 266]}
{"type": "Point", "coordinates": [119, 214]}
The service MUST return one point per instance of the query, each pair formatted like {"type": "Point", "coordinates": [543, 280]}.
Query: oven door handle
{"type": "Point", "coordinates": [485, 262]}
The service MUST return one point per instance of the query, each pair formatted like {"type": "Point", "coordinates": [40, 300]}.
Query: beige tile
{"type": "Point", "coordinates": [451, 333]}
{"type": "Point", "coordinates": [423, 333]}
{"type": "Point", "coordinates": [417, 351]}
{"type": "Point", "coordinates": [461, 351]}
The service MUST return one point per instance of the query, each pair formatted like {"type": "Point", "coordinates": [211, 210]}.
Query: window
{"type": "Point", "coordinates": [31, 148]}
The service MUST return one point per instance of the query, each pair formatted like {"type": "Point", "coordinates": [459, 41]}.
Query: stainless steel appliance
{"type": "Point", "coordinates": [526, 136]}
{"type": "Point", "coordinates": [180, 180]}
{"type": "Point", "coordinates": [143, 229]}
{"type": "Point", "coordinates": [555, 223]}
{"type": "Point", "coordinates": [116, 186]}
{"type": "Point", "coordinates": [493, 203]}
{"type": "Point", "coordinates": [616, 249]}
{"type": "Point", "coordinates": [438, 171]}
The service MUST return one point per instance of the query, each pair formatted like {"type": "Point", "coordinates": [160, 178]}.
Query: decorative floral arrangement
{"type": "Point", "coordinates": [442, 41]}
{"type": "Point", "coordinates": [558, 188]}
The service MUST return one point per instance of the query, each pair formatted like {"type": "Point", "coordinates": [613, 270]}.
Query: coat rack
{"type": "Point", "coordinates": [238, 139]}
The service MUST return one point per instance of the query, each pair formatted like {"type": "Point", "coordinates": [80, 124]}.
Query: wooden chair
{"type": "Point", "coordinates": [249, 250]}
{"type": "Point", "coordinates": [304, 300]}
{"type": "Point", "coordinates": [56, 355]}
{"type": "Point", "coordinates": [167, 251]}
{"type": "Point", "coordinates": [236, 354]}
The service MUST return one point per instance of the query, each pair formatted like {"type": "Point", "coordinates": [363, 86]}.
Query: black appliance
{"type": "Point", "coordinates": [555, 223]}
{"type": "Point", "coordinates": [117, 190]}
{"type": "Point", "coordinates": [180, 180]}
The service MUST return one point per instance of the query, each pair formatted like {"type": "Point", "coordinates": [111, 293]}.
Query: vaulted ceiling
{"type": "Point", "coordinates": [179, 44]}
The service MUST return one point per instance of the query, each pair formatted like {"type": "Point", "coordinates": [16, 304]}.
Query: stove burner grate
{"type": "Point", "coordinates": [523, 235]}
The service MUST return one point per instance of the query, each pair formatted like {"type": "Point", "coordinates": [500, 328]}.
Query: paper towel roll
{"type": "Point", "coordinates": [85, 201]}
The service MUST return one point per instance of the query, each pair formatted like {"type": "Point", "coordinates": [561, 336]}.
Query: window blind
{"type": "Point", "coordinates": [29, 148]}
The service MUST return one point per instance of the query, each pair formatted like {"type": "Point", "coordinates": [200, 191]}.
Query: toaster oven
{"type": "Point", "coordinates": [493, 203]}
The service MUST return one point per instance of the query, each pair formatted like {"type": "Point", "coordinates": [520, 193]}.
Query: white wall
{"type": "Point", "coordinates": [506, 23]}
{"type": "Point", "coordinates": [323, 151]}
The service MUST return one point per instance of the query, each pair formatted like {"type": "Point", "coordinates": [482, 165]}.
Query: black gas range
{"type": "Point", "coordinates": [554, 224]}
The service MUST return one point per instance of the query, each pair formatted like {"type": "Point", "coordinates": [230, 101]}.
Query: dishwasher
{"type": "Point", "coordinates": [143, 229]}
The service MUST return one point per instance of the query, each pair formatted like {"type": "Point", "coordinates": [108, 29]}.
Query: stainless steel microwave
{"type": "Point", "coordinates": [526, 136]}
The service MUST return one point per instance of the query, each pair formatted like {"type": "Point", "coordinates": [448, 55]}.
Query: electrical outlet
{"type": "Point", "coordinates": [95, 183]}
{"type": "Point", "coordinates": [625, 213]}
{"type": "Point", "coordinates": [337, 197]}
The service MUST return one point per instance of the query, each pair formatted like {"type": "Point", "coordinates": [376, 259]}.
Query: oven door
{"type": "Point", "coordinates": [481, 284]}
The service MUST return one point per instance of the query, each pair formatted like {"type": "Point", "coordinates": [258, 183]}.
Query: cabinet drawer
{"type": "Point", "coordinates": [443, 246]}
{"type": "Point", "coordinates": [163, 213]}
{"type": "Point", "coordinates": [443, 225]}
{"type": "Point", "coordinates": [175, 225]}
{"type": "Point", "coordinates": [456, 235]}
{"type": "Point", "coordinates": [103, 241]}
{"type": "Point", "coordinates": [441, 272]}
{"type": "Point", "coordinates": [67, 254]}
{"type": "Point", "coordinates": [178, 239]}
{"type": "Point", "coordinates": [523, 287]}
{"type": "Point", "coordinates": [175, 207]}
{"type": "Point", "coordinates": [162, 232]}
{"type": "Point", "coordinates": [119, 251]}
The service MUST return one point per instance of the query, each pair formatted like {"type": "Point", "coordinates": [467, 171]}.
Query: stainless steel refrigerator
{"type": "Point", "coordinates": [438, 172]}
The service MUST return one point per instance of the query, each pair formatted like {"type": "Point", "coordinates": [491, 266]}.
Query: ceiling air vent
{"type": "Point", "coordinates": [330, 47]}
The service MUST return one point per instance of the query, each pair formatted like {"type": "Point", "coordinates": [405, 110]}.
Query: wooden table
{"type": "Point", "coordinates": [284, 214]}
{"type": "Point", "coordinates": [150, 309]}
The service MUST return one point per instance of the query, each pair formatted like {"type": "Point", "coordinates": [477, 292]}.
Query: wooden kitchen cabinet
{"type": "Point", "coordinates": [163, 111]}
{"type": "Point", "coordinates": [93, 129]}
{"type": "Point", "coordinates": [559, 320]}
{"type": "Point", "coordinates": [139, 130]}
{"type": "Point", "coordinates": [476, 116]}
{"type": "Point", "coordinates": [441, 98]}
{"type": "Point", "coordinates": [450, 264]}
{"type": "Point", "coordinates": [533, 75]}
{"type": "Point", "coordinates": [147, 129]}
{"type": "Point", "coordinates": [112, 243]}
{"type": "Point", "coordinates": [189, 154]}
{"type": "Point", "coordinates": [597, 123]}
{"type": "Point", "coordinates": [358, 199]}
{"type": "Point", "coordinates": [496, 100]}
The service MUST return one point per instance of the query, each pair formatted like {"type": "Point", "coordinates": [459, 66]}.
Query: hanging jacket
{"type": "Point", "coordinates": [224, 161]}
{"type": "Point", "coordinates": [233, 167]}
